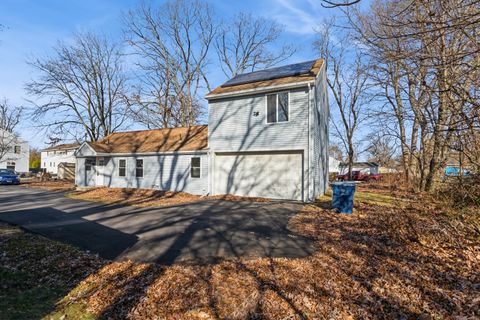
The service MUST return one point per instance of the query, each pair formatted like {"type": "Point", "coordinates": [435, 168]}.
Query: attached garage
{"type": "Point", "coordinates": [277, 175]}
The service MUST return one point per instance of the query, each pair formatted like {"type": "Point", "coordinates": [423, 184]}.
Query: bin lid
{"type": "Point", "coordinates": [344, 183]}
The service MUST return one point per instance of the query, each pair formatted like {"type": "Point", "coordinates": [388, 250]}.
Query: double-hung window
{"type": "Point", "coordinates": [18, 149]}
{"type": "Point", "coordinates": [195, 167]}
{"type": "Point", "coordinates": [139, 168]}
{"type": "Point", "coordinates": [122, 167]}
{"type": "Point", "coordinates": [277, 107]}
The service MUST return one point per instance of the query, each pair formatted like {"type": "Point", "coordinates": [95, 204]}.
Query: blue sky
{"type": "Point", "coordinates": [33, 27]}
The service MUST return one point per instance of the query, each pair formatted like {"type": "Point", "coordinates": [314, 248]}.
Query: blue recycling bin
{"type": "Point", "coordinates": [343, 193]}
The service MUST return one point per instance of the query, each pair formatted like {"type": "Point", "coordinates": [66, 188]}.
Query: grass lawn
{"type": "Point", "coordinates": [36, 273]}
{"type": "Point", "coordinates": [416, 260]}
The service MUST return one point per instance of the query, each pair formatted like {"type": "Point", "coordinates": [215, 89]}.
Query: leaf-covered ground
{"type": "Point", "coordinates": [410, 257]}
{"type": "Point", "coordinates": [148, 197]}
{"type": "Point", "coordinates": [52, 185]}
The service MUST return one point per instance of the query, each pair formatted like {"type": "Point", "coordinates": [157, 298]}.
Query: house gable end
{"type": "Point", "coordinates": [85, 150]}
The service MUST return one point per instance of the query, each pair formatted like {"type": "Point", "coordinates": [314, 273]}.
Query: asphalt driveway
{"type": "Point", "coordinates": [198, 232]}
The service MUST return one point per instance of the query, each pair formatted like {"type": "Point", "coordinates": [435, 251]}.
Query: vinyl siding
{"type": "Point", "coordinates": [54, 158]}
{"type": "Point", "coordinates": [164, 172]}
{"type": "Point", "coordinates": [233, 126]}
{"type": "Point", "coordinates": [320, 122]}
{"type": "Point", "coordinates": [21, 160]}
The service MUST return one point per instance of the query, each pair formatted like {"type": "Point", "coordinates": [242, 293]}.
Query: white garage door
{"type": "Point", "coordinates": [269, 175]}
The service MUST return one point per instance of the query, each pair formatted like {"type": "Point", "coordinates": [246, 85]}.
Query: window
{"type": "Point", "coordinates": [277, 107]}
{"type": "Point", "coordinates": [89, 163]}
{"type": "Point", "coordinates": [139, 168]}
{"type": "Point", "coordinates": [195, 168]}
{"type": "Point", "coordinates": [122, 167]}
{"type": "Point", "coordinates": [17, 149]}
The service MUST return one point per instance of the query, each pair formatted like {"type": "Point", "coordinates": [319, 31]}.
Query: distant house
{"type": "Point", "coordinates": [14, 152]}
{"type": "Point", "coordinates": [365, 167]}
{"type": "Point", "coordinates": [53, 156]}
{"type": "Point", "coordinates": [333, 165]}
{"type": "Point", "coordinates": [267, 136]}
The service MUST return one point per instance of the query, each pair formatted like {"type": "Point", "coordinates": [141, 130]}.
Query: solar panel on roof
{"type": "Point", "coordinates": [270, 74]}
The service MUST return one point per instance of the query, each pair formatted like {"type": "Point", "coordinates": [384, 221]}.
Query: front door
{"type": "Point", "coordinates": [100, 171]}
{"type": "Point", "coordinates": [90, 172]}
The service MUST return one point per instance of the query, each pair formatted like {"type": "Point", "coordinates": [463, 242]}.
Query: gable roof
{"type": "Point", "coordinates": [66, 146]}
{"type": "Point", "coordinates": [158, 140]}
{"type": "Point", "coordinates": [269, 81]}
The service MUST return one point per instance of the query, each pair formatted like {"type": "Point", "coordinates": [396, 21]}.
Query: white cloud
{"type": "Point", "coordinates": [297, 16]}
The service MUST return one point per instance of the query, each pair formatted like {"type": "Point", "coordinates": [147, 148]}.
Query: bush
{"type": "Point", "coordinates": [461, 191]}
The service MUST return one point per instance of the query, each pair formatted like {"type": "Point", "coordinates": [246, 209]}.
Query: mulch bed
{"type": "Point", "coordinates": [149, 197]}
{"type": "Point", "coordinates": [52, 185]}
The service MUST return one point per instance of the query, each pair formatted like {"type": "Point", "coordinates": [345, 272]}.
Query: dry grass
{"type": "Point", "coordinates": [148, 197]}
{"type": "Point", "coordinates": [420, 260]}
{"type": "Point", "coordinates": [52, 185]}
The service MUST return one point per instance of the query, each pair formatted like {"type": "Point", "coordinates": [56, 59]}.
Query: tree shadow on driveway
{"type": "Point", "coordinates": [198, 232]}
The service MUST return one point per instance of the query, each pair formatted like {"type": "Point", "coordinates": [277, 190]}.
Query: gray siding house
{"type": "Point", "coordinates": [267, 136]}
{"type": "Point", "coordinates": [166, 159]}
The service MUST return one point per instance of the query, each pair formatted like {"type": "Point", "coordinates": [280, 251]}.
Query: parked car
{"type": "Point", "coordinates": [9, 177]}
{"type": "Point", "coordinates": [360, 176]}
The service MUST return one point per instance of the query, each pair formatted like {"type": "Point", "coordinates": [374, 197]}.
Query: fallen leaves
{"type": "Point", "coordinates": [51, 185]}
{"type": "Point", "coordinates": [149, 197]}
{"type": "Point", "coordinates": [420, 260]}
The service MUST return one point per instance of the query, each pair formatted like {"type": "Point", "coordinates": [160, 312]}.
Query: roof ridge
{"type": "Point", "coordinates": [158, 129]}
{"type": "Point", "coordinates": [283, 66]}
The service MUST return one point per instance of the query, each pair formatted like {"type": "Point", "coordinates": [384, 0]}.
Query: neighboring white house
{"type": "Point", "coordinates": [63, 153]}
{"type": "Point", "coordinates": [14, 152]}
{"type": "Point", "coordinates": [365, 167]}
{"type": "Point", "coordinates": [333, 165]}
{"type": "Point", "coordinates": [267, 136]}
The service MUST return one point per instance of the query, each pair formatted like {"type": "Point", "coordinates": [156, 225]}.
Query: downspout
{"type": "Point", "coordinates": [308, 145]}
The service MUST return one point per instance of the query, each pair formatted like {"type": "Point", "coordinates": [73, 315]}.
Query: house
{"type": "Point", "coordinates": [267, 136]}
{"type": "Point", "coordinates": [333, 165]}
{"type": "Point", "coordinates": [14, 152]}
{"type": "Point", "coordinates": [166, 159]}
{"type": "Point", "coordinates": [53, 156]}
{"type": "Point", "coordinates": [365, 167]}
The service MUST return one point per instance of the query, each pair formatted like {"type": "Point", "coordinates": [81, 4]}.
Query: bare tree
{"type": "Point", "coordinates": [9, 119]}
{"type": "Point", "coordinates": [81, 88]}
{"type": "Point", "coordinates": [9, 115]}
{"type": "Point", "coordinates": [381, 148]}
{"type": "Point", "coordinates": [172, 42]}
{"type": "Point", "coordinates": [335, 4]}
{"type": "Point", "coordinates": [243, 44]}
{"type": "Point", "coordinates": [335, 152]}
{"type": "Point", "coordinates": [426, 63]}
{"type": "Point", "coordinates": [347, 80]}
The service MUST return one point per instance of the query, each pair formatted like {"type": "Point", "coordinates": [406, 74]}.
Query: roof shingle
{"type": "Point", "coordinates": [158, 140]}
{"type": "Point", "coordinates": [66, 146]}
{"type": "Point", "coordinates": [310, 75]}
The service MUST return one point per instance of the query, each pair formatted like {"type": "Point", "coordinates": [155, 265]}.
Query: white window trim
{"type": "Point", "coordinates": [126, 167]}
{"type": "Point", "coordinates": [276, 107]}
{"type": "Point", "coordinates": [143, 168]}
{"type": "Point", "coordinates": [191, 167]}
